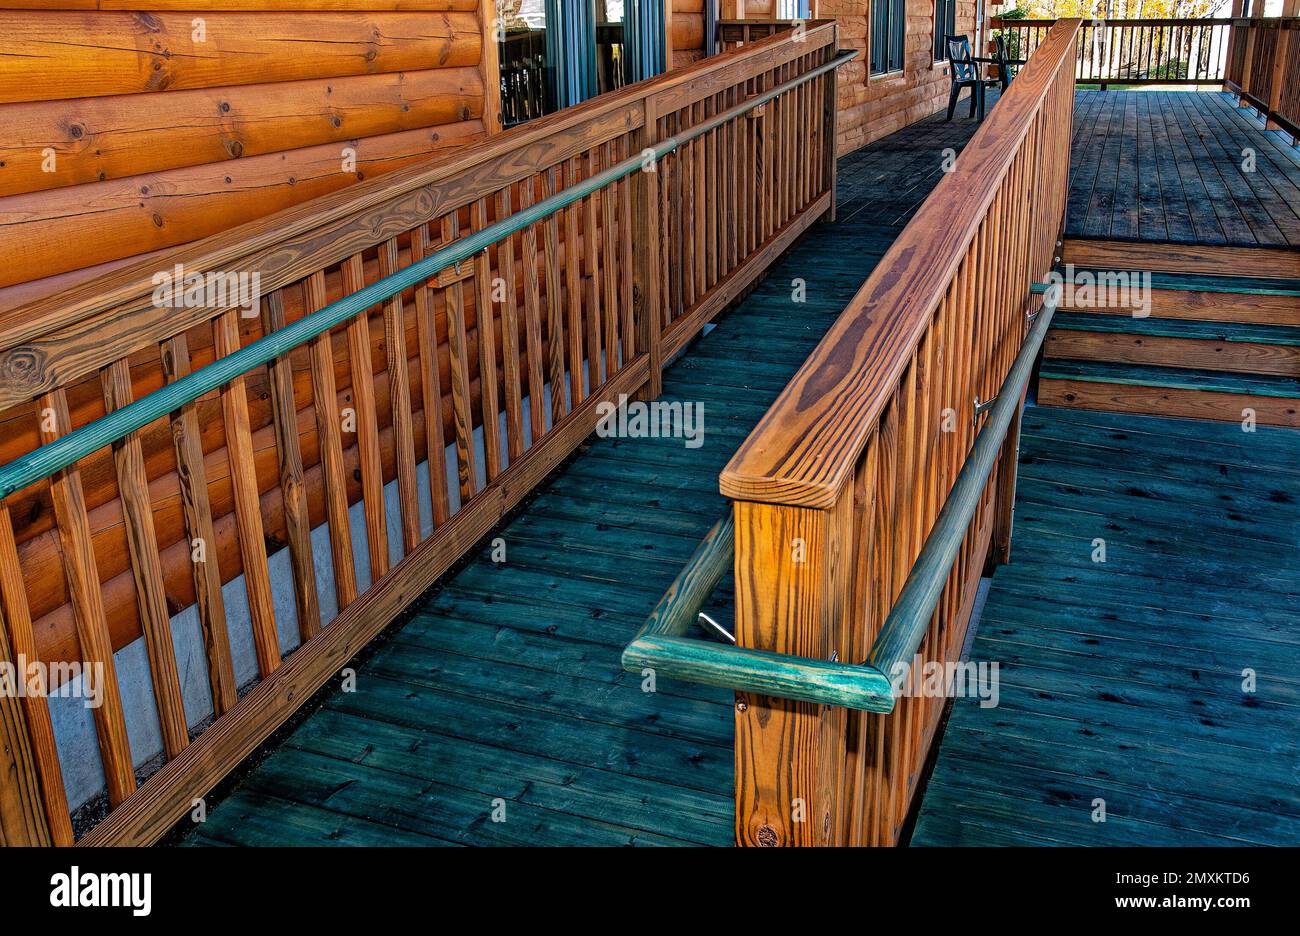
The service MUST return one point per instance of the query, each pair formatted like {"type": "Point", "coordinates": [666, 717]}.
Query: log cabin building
{"type": "Point", "coordinates": [454, 268]}
{"type": "Point", "coordinates": [129, 128]}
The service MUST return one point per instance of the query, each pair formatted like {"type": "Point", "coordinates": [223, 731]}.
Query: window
{"type": "Point", "coordinates": [945, 24]}
{"type": "Point", "coordinates": [888, 24]}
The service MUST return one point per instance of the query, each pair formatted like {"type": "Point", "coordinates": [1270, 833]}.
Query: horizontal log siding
{"type": "Point", "coordinates": [874, 107]}
{"type": "Point", "coordinates": [161, 130]}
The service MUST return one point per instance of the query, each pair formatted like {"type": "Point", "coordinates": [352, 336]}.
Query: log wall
{"type": "Point", "coordinates": [131, 127]}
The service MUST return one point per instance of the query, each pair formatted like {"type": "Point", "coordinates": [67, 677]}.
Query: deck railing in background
{"type": "Point", "coordinates": [841, 482]}
{"type": "Point", "coordinates": [513, 287]}
{"type": "Point", "coordinates": [735, 33]}
{"type": "Point", "coordinates": [1264, 68]}
{"type": "Point", "coordinates": [1133, 52]}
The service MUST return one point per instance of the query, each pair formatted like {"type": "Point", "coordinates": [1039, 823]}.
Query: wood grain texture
{"type": "Point", "coordinates": [100, 679]}
{"type": "Point", "coordinates": [1183, 258]}
{"type": "Point", "coordinates": [248, 508]}
{"type": "Point", "coordinates": [151, 595]}
{"type": "Point", "coordinates": [100, 138]}
{"type": "Point", "coordinates": [292, 484]}
{"type": "Point", "coordinates": [200, 538]}
{"type": "Point", "coordinates": [69, 54]}
{"type": "Point", "coordinates": [17, 630]}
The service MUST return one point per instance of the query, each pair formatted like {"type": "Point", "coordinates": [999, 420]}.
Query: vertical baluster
{"type": "Point", "coordinates": [487, 348]}
{"type": "Point", "coordinates": [16, 621]}
{"type": "Point", "coordinates": [293, 490]}
{"type": "Point", "coordinates": [590, 246]}
{"type": "Point", "coordinates": [399, 397]}
{"type": "Point", "coordinates": [510, 358]}
{"type": "Point", "coordinates": [699, 198]}
{"type": "Point", "coordinates": [554, 307]}
{"type": "Point", "coordinates": [458, 354]}
{"type": "Point", "coordinates": [430, 385]}
{"type": "Point", "coordinates": [367, 428]}
{"type": "Point", "coordinates": [146, 567]}
{"type": "Point", "coordinates": [248, 504]}
{"type": "Point", "coordinates": [192, 476]}
{"type": "Point", "coordinates": [533, 317]}
{"type": "Point", "coordinates": [608, 262]}
{"type": "Point", "coordinates": [687, 191]}
{"type": "Point", "coordinates": [88, 606]}
{"type": "Point", "coordinates": [329, 435]}
{"type": "Point", "coordinates": [711, 193]}
{"type": "Point", "coordinates": [626, 259]}
{"type": "Point", "coordinates": [573, 288]}
{"type": "Point", "coordinates": [22, 811]}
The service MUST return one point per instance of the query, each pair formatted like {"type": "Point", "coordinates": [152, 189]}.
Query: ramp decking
{"type": "Point", "coordinates": [1180, 167]}
{"type": "Point", "coordinates": [1122, 681]}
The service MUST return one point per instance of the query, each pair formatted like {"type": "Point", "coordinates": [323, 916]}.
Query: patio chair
{"type": "Point", "coordinates": [965, 72]}
{"type": "Point", "coordinates": [1007, 66]}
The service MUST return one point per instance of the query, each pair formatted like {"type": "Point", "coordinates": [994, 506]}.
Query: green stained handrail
{"type": "Point", "coordinates": [662, 646]}
{"type": "Point", "coordinates": [77, 444]}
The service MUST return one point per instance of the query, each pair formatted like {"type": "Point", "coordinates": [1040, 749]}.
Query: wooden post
{"type": "Point", "coordinates": [646, 232]}
{"type": "Point", "coordinates": [793, 571]}
{"type": "Point", "coordinates": [22, 811]}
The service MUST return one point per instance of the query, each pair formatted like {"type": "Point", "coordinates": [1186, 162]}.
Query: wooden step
{"type": "Point", "coordinates": [1182, 258]}
{"type": "Point", "coordinates": [1170, 391]}
{"type": "Point", "coordinates": [1214, 346]}
{"type": "Point", "coordinates": [1201, 297]}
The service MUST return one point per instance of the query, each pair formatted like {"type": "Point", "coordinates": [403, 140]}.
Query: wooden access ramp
{"type": "Point", "coordinates": [503, 696]}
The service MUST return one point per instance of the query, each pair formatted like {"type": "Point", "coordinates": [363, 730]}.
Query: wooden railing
{"type": "Point", "coordinates": [1264, 68]}
{"type": "Point", "coordinates": [1133, 52]}
{"type": "Point", "coordinates": [839, 485]}
{"type": "Point", "coordinates": [739, 32]}
{"type": "Point", "coordinates": [157, 450]}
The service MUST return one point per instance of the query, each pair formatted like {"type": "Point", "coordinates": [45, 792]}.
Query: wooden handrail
{"type": "Point", "coordinates": [662, 645]}
{"type": "Point", "coordinates": [803, 450]}
{"type": "Point", "coordinates": [868, 498]}
{"type": "Point", "coordinates": [524, 282]}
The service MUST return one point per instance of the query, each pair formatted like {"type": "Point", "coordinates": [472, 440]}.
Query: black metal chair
{"type": "Point", "coordinates": [964, 69]}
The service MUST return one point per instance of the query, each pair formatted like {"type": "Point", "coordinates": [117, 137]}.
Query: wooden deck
{"type": "Point", "coordinates": [1123, 681]}
{"type": "Point", "coordinates": [506, 686]}
{"type": "Point", "coordinates": [1170, 166]}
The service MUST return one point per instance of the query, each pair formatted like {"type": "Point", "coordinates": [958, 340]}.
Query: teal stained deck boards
{"type": "Point", "coordinates": [506, 689]}
{"type": "Point", "coordinates": [1168, 166]}
{"type": "Point", "coordinates": [1122, 681]}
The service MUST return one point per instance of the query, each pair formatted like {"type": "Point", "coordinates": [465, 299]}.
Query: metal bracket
{"type": "Point", "coordinates": [1030, 316]}
{"type": "Point", "coordinates": [984, 407]}
{"type": "Point", "coordinates": [714, 628]}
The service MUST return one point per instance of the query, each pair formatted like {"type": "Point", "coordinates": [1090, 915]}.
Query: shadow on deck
{"type": "Point", "coordinates": [504, 695]}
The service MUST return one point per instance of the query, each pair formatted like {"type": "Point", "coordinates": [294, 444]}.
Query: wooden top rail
{"type": "Point", "coordinates": [804, 448]}
{"type": "Point", "coordinates": [58, 339]}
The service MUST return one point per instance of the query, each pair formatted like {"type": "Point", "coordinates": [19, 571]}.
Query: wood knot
{"type": "Point", "coordinates": [767, 837]}
{"type": "Point", "coordinates": [23, 367]}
